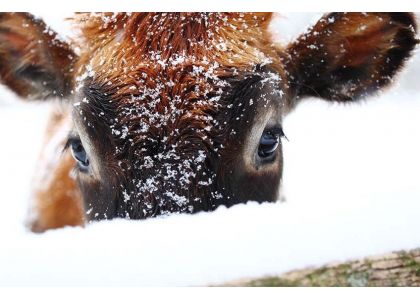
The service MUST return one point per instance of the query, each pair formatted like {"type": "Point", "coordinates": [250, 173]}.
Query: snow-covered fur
{"type": "Point", "coordinates": [170, 108]}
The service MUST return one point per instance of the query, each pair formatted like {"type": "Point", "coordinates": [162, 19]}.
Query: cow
{"type": "Point", "coordinates": [161, 113]}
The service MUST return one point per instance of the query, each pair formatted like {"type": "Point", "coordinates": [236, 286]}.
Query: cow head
{"type": "Point", "coordinates": [182, 112]}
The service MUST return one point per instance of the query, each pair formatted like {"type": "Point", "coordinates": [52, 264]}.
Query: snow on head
{"type": "Point", "coordinates": [161, 89]}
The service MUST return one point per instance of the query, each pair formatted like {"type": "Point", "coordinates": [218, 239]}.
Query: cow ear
{"type": "Point", "coordinates": [34, 63]}
{"type": "Point", "coordinates": [347, 56]}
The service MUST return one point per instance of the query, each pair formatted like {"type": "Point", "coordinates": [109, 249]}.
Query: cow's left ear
{"type": "Point", "coordinates": [347, 56]}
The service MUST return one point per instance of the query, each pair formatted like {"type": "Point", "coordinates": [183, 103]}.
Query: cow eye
{"type": "Point", "coordinates": [79, 154]}
{"type": "Point", "coordinates": [269, 143]}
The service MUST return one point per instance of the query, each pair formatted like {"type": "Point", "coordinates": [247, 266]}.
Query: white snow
{"type": "Point", "coordinates": [351, 185]}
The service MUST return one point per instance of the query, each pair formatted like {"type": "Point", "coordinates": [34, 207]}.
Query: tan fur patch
{"type": "Point", "coordinates": [56, 196]}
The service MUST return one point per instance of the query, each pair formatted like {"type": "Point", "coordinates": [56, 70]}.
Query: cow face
{"type": "Point", "coordinates": [183, 112]}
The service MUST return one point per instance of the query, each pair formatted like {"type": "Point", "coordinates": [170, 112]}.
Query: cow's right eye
{"type": "Point", "coordinates": [79, 154]}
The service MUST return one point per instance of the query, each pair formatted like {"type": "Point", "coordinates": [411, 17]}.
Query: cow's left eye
{"type": "Point", "coordinates": [269, 142]}
{"type": "Point", "coordinates": [79, 154]}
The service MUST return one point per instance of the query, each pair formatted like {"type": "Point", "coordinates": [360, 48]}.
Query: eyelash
{"type": "Point", "coordinates": [69, 141]}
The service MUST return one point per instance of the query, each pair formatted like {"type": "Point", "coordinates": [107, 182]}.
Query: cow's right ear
{"type": "Point", "coordinates": [34, 63]}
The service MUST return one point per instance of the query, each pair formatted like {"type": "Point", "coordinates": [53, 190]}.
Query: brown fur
{"type": "Point", "coordinates": [352, 55]}
{"type": "Point", "coordinates": [125, 58]}
{"type": "Point", "coordinates": [57, 200]}
{"type": "Point", "coordinates": [34, 63]}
